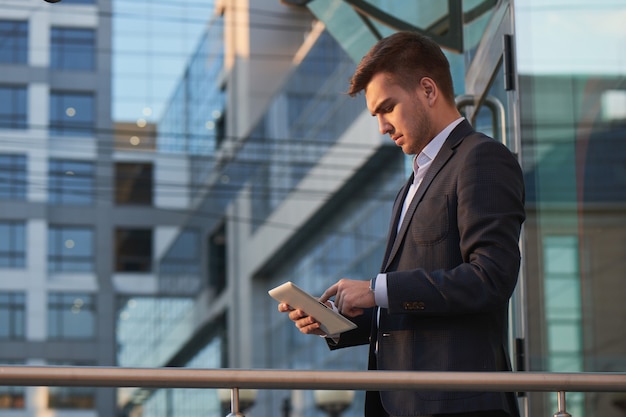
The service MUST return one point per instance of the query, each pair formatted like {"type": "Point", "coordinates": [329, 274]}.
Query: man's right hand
{"type": "Point", "coordinates": [305, 323]}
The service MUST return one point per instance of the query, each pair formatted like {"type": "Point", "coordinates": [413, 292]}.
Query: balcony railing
{"type": "Point", "coordinates": [236, 379]}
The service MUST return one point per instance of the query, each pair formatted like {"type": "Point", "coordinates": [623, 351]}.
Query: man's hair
{"type": "Point", "coordinates": [406, 57]}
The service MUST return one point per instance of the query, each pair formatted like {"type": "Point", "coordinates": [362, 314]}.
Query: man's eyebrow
{"type": "Point", "coordinates": [379, 106]}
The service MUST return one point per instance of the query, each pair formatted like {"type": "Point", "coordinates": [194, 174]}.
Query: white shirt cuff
{"type": "Point", "coordinates": [380, 292]}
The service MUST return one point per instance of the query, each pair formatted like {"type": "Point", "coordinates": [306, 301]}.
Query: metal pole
{"type": "Point", "coordinates": [560, 403]}
{"type": "Point", "coordinates": [234, 403]}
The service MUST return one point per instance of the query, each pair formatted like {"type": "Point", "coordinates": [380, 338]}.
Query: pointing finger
{"type": "Point", "coordinates": [331, 291]}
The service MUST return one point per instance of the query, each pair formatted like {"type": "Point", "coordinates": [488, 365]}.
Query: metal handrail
{"type": "Point", "coordinates": [236, 379]}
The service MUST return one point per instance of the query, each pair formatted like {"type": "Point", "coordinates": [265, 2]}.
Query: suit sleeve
{"type": "Point", "coordinates": [358, 336]}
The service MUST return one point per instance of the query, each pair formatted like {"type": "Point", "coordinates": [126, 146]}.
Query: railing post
{"type": "Point", "coordinates": [234, 403]}
{"type": "Point", "coordinates": [560, 403]}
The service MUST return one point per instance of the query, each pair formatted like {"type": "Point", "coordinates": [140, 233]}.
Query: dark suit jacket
{"type": "Point", "coordinates": [451, 270]}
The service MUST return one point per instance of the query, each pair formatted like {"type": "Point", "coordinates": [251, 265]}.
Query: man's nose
{"type": "Point", "coordinates": [384, 126]}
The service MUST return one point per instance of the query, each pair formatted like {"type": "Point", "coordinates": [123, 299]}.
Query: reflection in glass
{"type": "Point", "coordinates": [70, 249]}
{"type": "Point", "coordinates": [71, 316]}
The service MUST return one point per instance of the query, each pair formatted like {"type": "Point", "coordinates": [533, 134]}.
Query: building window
{"type": "Point", "coordinates": [70, 249]}
{"type": "Point", "coordinates": [14, 45]}
{"type": "Point", "coordinates": [12, 316]}
{"type": "Point", "coordinates": [133, 250]}
{"type": "Point", "coordinates": [72, 114]}
{"type": "Point", "coordinates": [71, 316]}
{"type": "Point", "coordinates": [72, 49]}
{"type": "Point", "coordinates": [133, 183]}
{"type": "Point", "coordinates": [12, 397]}
{"type": "Point", "coordinates": [12, 177]}
{"type": "Point", "coordinates": [218, 259]}
{"type": "Point", "coordinates": [12, 107]}
{"type": "Point", "coordinates": [70, 182]}
{"type": "Point", "coordinates": [12, 245]}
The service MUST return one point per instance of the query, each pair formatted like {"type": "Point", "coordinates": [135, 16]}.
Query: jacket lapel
{"type": "Point", "coordinates": [395, 217]}
{"type": "Point", "coordinates": [444, 155]}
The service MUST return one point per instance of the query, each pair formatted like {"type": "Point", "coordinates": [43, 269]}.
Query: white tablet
{"type": "Point", "coordinates": [331, 323]}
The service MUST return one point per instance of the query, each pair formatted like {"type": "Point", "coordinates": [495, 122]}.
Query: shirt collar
{"type": "Point", "coordinates": [431, 150]}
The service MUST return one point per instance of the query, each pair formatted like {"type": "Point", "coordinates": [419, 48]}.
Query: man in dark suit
{"type": "Point", "coordinates": [440, 302]}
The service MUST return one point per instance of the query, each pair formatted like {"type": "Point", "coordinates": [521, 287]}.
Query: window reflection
{"type": "Point", "coordinates": [70, 249]}
{"type": "Point", "coordinates": [72, 114]}
{"type": "Point", "coordinates": [14, 45]}
{"type": "Point", "coordinates": [72, 49]}
{"type": "Point", "coordinates": [13, 183]}
{"type": "Point", "coordinates": [13, 106]}
{"type": "Point", "coordinates": [71, 316]}
{"type": "Point", "coordinates": [70, 182]}
{"type": "Point", "coordinates": [12, 316]}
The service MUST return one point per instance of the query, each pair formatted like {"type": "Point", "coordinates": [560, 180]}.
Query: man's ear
{"type": "Point", "coordinates": [429, 88]}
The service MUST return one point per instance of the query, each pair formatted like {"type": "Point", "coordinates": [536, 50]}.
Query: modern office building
{"type": "Point", "coordinates": [263, 171]}
{"type": "Point", "coordinates": [86, 204]}
{"type": "Point", "coordinates": [56, 187]}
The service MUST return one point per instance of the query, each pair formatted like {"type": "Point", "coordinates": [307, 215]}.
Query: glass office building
{"type": "Point", "coordinates": [261, 170]}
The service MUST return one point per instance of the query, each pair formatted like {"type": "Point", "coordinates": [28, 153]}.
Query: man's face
{"type": "Point", "coordinates": [403, 114]}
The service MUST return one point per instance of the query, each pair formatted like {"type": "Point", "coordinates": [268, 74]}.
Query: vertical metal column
{"type": "Point", "coordinates": [561, 406]}
{"type": "Point", "coordinates": [234, 403]}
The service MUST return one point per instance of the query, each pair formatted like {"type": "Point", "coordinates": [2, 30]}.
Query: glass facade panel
{"type": "Point", "coordinates": [12, 317]}
{"type": "Point", "coordinates": [14, 45]}
{"type": "Point", "coordinates": [345, 25]}
{"type": "Point", "coordinates": [70, 249]}
{"type": "Point", "coordinates": [13, 185]}
{"type": "Point", "coordinates": [71, 316]}
{"type": "Point", "coordinates": [71, 114]}
{"type": "Point", "coordinates": [71, 182]}
{"type": "Point", "coordinates": [573, 122]}
{"type": "Point", "coordinates": [72, 49]}
{"type": "Point", "coordinates": [13, 107]}
{"type": "Point", "coordinates": [12, 244]}
{"type": "Point", "coordinates": [420, 13]}
{"type": "Point", "coordinates": [154, 43]}
{"type": "Point", "coordinates": [144, 326]}
{"type": "Point", "coordinates": [193, 121]}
